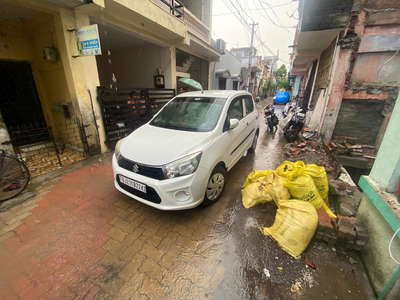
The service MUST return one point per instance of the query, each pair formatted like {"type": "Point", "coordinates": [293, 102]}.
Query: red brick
{"type": "Point", "coordinates": [22, 285]}
{"type": "Point", "coordinates": [324, 220]}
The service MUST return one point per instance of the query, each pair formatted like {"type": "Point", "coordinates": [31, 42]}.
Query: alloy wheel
{"type": "Point", "coordinates": [215, 186]}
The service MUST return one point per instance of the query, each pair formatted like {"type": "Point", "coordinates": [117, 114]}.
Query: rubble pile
{"type": "Point", "coordinates": [346, 233]}
{"type": "Point", "coordinates": [346, 198]}
{"type": "Point", "coordinates": [344, 146]}
{"type": "Point", "coordinates": [339, 228]}
{"type": "Point", "coordinates": [312, 152]}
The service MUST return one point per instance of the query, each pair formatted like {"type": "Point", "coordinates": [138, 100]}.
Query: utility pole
{"type": "Point", "coordinates": [253, 25]}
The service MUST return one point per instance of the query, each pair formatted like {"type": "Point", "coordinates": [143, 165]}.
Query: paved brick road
{"type": "Point", "coordinates": [81, 239]}
{"type": "Point", "coordinates": [84, 239]}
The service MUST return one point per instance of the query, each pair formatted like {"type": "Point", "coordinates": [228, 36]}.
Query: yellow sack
{"type": "Point", "coordinates": [253, 176]}
{"type": "Point", "coordinates": [278, 190]}
{"type": "Point", "coordinates": [294, 226]}
{"type": "Point", "coordinates": [261, 189]}
{"type": "Point", "coordinates": [255, 193]}
{"type": "Point", "coordinates": [303, 188]}
{"type": "Point", "coordinates": [290, 169]}
{"type": "Point", "coordinates": [320, 178]}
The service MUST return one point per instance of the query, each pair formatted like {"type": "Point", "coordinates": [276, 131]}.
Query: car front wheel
{"type": "Point", "coordinates": [215, 186]}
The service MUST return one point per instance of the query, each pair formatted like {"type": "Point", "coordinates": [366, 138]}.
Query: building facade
{"type": "Point", "coordinates": [251, 76]}
{"type": "Point", "coordinates": [380, 212]}
{"type": "Point", "coordinates": [50, 109]}
{"type": "Point", "coordinates": [346, 65]}
{"type": "Point", "coordinates": [228, 72]}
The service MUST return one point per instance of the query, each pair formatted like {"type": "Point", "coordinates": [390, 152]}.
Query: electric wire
{"type": "Point", "coordinates": [245, 19]}
{"type": "Point", "coordinates": [268, 17]}
{"type": "Point", "coordinates": [252, 9]}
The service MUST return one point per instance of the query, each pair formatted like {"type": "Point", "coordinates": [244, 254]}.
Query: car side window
{"type": "Point", "coordinates": [235, 110]}
{"type": "Point", "coordinates": [248, 102]}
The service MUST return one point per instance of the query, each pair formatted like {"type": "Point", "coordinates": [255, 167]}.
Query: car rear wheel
{"type": "Point", "coordinates": [252, 149]}
{"type": "Point", "coordinates": [215, 186]}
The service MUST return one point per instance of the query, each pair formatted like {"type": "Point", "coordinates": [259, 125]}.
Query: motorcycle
{"type": "Point", "coordinates": [288, 108]}
{"type": "Point", "coordinates": [271, 120]}
{"type": "Point", "coordinates": [295, 125]}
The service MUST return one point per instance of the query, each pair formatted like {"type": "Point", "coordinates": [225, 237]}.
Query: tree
{"type": "Point", "coordinates": [283, 84]}
{"type": "Point", "coordinates": [268, 86]}
{"type": "Point", "coordinates": [281, 77]}
{"type": "Point", "coordinates": [281, 73]}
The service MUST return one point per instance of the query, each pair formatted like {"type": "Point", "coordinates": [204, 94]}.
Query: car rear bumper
{"type": "Point", "coordinates": [180, 193]}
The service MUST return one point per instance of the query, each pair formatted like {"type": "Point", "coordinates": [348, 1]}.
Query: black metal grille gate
{"type": "Point", "coordinates": [125, 110]}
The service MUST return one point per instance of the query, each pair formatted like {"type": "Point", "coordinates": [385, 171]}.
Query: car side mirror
{"type": "Point", "coordinates": [233, 123]}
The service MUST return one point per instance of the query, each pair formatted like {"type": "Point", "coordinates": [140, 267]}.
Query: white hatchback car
{"type": "Point", "coordinates": [179, 159]}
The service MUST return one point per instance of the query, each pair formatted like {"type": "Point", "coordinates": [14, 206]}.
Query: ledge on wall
{"type": "Point", "coordinates": [389, 208]}
{"type": "Point", "coordinates": [385, 203]}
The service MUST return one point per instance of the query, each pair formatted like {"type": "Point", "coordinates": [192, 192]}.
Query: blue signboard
{"type": "Point", "coordinates": [89, 40]}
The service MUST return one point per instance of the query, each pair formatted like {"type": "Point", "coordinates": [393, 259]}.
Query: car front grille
{"type": "Point", "coordinates": [151, 195]}
{"type": "Point", "coordinates": [148, 171]}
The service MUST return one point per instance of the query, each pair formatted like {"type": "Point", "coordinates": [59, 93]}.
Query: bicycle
{"type": "Point", "coordinates": [14, 176]}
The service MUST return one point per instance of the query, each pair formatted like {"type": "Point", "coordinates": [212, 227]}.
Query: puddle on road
{"type": "Point", "coordinates": [251, 224]}
{"type": "Point", "coordinates": [248, 255]}
{"type": "Point", "coordinates": [218, 252]}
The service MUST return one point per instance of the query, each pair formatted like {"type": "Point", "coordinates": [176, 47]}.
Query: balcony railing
{"type": "Point", "coordinates": [195, 26]}
{"type": "Point", "coordinates": [175, 7]}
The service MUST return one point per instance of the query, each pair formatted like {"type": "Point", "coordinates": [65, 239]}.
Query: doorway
{"type": "Point", "coordinates": [222, 83]}
{"type": "Point", "coordinates": [20, 104]}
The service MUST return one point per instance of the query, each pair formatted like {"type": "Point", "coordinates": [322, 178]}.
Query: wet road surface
{"type": "Point", "coordinates": [81, 239]}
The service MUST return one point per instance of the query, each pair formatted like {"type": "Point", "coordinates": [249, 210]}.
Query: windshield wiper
{"type": "Point", "coordinates": [177, 127]}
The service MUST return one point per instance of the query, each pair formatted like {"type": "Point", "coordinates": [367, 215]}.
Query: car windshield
{"type": "Point", "coordinates": [190, 114]}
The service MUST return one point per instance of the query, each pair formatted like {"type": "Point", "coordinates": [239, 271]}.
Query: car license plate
{"type": "Point", "coordinates": [133, 184]}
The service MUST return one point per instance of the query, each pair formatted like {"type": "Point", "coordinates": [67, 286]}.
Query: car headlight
{"type": "Point", "coordinates": [118, 148]}
{"type": "Point", "coordinates": [184, 166]}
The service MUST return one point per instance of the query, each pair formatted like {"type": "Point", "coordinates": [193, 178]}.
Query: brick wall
{"type": "Point", "coordinates": [44, 158]}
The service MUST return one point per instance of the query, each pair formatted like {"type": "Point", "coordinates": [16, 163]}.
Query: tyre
{"type": "Point", "coordinates": [14, 177]}
{"type": "Point", "coordinates": [215, 186]}
{"type": "Point", "coordinates": [252, 149]}
{"type": "Point", "coordinates": [291, 134]}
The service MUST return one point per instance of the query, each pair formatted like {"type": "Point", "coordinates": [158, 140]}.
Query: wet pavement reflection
{"type": "Point", "coordinates": [254, 267]}
{"type": "Point", "coordinates": [242, 263]}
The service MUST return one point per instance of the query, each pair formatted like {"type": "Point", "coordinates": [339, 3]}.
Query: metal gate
{"type": "Point", "coordinates": [125, 110]}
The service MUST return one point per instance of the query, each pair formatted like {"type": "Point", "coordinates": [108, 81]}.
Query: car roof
{"type": "Point", "coordinates": [214, 93]}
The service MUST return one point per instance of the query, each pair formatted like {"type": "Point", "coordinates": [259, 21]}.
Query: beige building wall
{"type": "Point", "coordinates": [135, 67]}
{"type": "Point", "coordinates": [24, 40]}
{"type": "Point", "coordinates": [81, 77]}
{"type": "Point", "coordinates": [73, 81]}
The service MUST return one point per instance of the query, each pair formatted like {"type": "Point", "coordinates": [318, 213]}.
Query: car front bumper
{"type": "Point", "coordinates": [175, 194]}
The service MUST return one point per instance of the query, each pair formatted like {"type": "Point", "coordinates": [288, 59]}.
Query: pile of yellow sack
{"type": "Point", "coordinates": [298, 190]}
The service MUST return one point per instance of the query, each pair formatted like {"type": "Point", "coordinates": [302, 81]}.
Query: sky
{"type": "Point", "coordinates": [273, 30]}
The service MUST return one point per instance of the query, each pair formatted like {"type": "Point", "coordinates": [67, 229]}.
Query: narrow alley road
{"type": "Point", "coordinates": [84, 240]}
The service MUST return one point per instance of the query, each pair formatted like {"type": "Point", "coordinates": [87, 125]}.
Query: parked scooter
{"type": "Point", "coordinates": [288, 108]}
{"type": "Point", "coordinates": [271, 119]}
{"type": "Point", "coordinates": [295, 125]}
